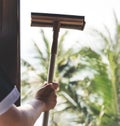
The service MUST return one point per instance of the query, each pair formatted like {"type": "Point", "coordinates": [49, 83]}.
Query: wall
{"type": "Point", "coordinates": [10, 40]}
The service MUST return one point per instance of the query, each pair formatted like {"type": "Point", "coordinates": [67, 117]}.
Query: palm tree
{"type": "Point", "coordinates": [84, 97]}
{"type": "Point", "coordinates": [89, 87]}
{"type": "Point", "coordinates": [111, 52]}
{"type": "Point", "coordinates": [67, 68]}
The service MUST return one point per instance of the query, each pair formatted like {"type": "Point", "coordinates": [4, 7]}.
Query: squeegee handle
{"type": "Point", "coordinates": [56, 27]}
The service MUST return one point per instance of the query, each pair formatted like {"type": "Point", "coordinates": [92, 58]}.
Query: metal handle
{"type": "Point", "coordinates": [56, 28]}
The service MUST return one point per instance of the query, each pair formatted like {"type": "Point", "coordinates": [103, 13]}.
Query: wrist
{"type": "Point", "coordinates": [38, 105]}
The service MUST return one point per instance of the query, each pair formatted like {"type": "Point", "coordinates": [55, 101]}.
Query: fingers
{"type": "Point", "coordinates": [52, 101]}
{"type": "Point", "coordinates": [53, 84]}
{"type": "Point", "coordinates": [47, 94]}
{"type": "Point", "coordinates": [46, 90]}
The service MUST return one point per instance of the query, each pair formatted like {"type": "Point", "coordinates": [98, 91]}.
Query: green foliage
{"type": "Point", "coordinates": [89, 86]}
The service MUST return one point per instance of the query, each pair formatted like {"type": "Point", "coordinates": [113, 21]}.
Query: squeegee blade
{"type": "Point", "coordinates": [66, 21]}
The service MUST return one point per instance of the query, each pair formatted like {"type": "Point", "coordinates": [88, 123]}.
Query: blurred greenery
{"type": "Point", "coordinates": [89, 92]}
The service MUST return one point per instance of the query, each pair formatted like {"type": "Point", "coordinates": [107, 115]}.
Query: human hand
{"type": "Point", "coordinates": [47, 95]}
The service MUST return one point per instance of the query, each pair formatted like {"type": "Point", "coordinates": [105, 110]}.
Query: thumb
{"type": "Point", "coordinates": [55, 85]}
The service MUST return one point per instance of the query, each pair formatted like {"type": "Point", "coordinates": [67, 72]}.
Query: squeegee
{"type": "Point", "coordinates": [56, 21]}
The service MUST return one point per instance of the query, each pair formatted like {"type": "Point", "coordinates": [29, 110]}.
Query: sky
{"type": "Point", "coordinates": [97, 14]}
